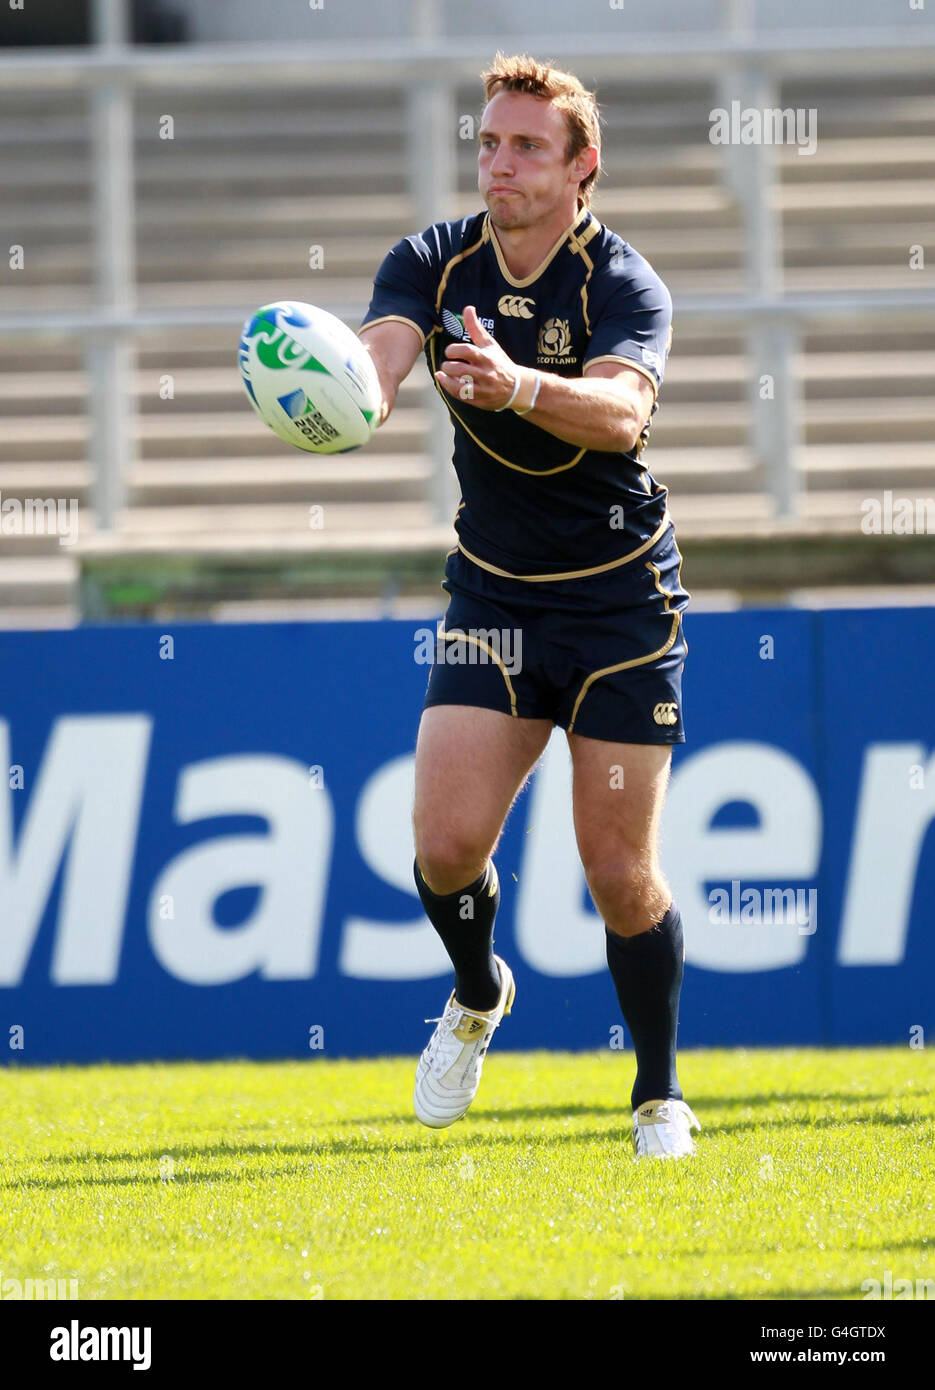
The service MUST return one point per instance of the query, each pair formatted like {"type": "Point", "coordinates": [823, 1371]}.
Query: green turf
{"type": "Point", "coordinates": [301, 1179]}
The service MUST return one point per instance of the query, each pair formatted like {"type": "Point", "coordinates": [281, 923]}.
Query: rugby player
{"type": "Point", "coordinates": [547, 336]}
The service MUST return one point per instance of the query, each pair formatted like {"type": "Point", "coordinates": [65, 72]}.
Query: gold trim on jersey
{"type": "Point", "coordinates": [576, 245]}
{"type": "Point", "coordinates": [536, 472]}
{"type": "Point", "coordinates": [454, 548]}
{"type": "Point", "coordinates": [657, 581]}
{"type": "Point", "coordinates": [626, 362]}
{"type": "Point", "coordinates": [395, 318]}
{"type": "Point", "coordinates": [469, 637]}
{"type": "Point", "coordinates": [490, 233]}
{"type": "Point", "coordinates": [678, 578]}
{"type": "Point", "coordinates": [450, 265]}
{"type": "Point", "coordinates": [636, 660]}
{"type": "Point", "coordinates": [572, 574]}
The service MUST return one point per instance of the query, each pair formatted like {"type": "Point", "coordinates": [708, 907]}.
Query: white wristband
{"type": "Point", "coordinates": [512, 397]}
{"type": "Point", "coordinates": [535, 397]}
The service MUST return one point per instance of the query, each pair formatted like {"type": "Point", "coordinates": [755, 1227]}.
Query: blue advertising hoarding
{"type": "Point", "coordinates": [205, 843]}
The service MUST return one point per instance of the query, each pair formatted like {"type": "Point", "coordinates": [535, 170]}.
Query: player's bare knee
{"type": "Point", "coordinates": [616, 875]}
{"type": "Point", "coordinates": [627, 894]}
{"type": "Point", "coordinates": [449, 862]}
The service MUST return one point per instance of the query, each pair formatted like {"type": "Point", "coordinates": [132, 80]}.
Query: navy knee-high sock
{"type": "Point", "coordinates": [464, 921]}
{"type": "Point", "coordinates": [647, 974]}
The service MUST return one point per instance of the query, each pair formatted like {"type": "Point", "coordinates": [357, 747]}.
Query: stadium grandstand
{"type": "Point", "coordinates": [235, 206]}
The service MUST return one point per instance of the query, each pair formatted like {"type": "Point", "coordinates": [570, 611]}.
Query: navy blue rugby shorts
{"type": "Point", "coordinates": [600, 656]}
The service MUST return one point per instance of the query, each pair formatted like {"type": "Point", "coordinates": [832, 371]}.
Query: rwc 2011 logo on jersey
{"type": "Point", "coordinates": [454, 325]}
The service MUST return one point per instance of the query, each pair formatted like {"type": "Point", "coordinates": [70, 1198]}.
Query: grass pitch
{"type": "Point", "coordinates": [312, 1179]}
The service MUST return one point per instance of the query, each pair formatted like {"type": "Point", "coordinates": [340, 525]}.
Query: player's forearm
{"type": "Point", "coordinates": [389, 383]}
{"type": "Point", "coordinates": [590, 413]}
{"type": "Point", "coordinates": [597, 412]}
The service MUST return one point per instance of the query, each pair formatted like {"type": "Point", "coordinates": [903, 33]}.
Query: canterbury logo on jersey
{"type": "Point", "coordinates": [666, 714]}
{"type": "Point", "coordinates": [515, 306]}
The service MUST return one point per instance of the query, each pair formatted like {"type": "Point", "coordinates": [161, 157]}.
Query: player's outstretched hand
{"type": "Point", "coordinates": [479, 371]}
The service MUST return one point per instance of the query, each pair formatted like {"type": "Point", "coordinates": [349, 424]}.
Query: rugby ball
{"type": "Point", "coordinates": [309, 377]}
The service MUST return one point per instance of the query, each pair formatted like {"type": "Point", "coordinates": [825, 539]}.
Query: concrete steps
{"type": "Point", "coordinates": [38, 581]}
{"type": "Point", "coordinates": [229, 208]}
{"type": "Point", "coordinates": [234, 433]}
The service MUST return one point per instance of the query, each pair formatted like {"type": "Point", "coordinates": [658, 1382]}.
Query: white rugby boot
{"type": "Point", "coordinates": [449, 1069]}
{"type": "Point", "coordinates": [662, 1129]}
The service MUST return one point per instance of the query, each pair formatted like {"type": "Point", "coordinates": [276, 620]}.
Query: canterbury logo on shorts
{"type": "Point", "coordinates": [516, 306]}
{"type": "Point", "coordinates": [666, 713]}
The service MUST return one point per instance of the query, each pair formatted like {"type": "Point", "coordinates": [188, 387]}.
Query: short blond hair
{"type": "Point", "coordinates": [521, 73]}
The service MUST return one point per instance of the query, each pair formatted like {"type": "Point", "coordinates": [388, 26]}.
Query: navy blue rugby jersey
{"type": "Point", "coordinates": [533, 505]}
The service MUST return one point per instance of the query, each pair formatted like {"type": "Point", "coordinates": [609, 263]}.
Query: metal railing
{"type": "Point", "coordinates": [426, 66]}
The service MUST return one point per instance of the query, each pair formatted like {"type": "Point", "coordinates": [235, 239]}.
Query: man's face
{"type": "Point", "coordinates": [523, 175]}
